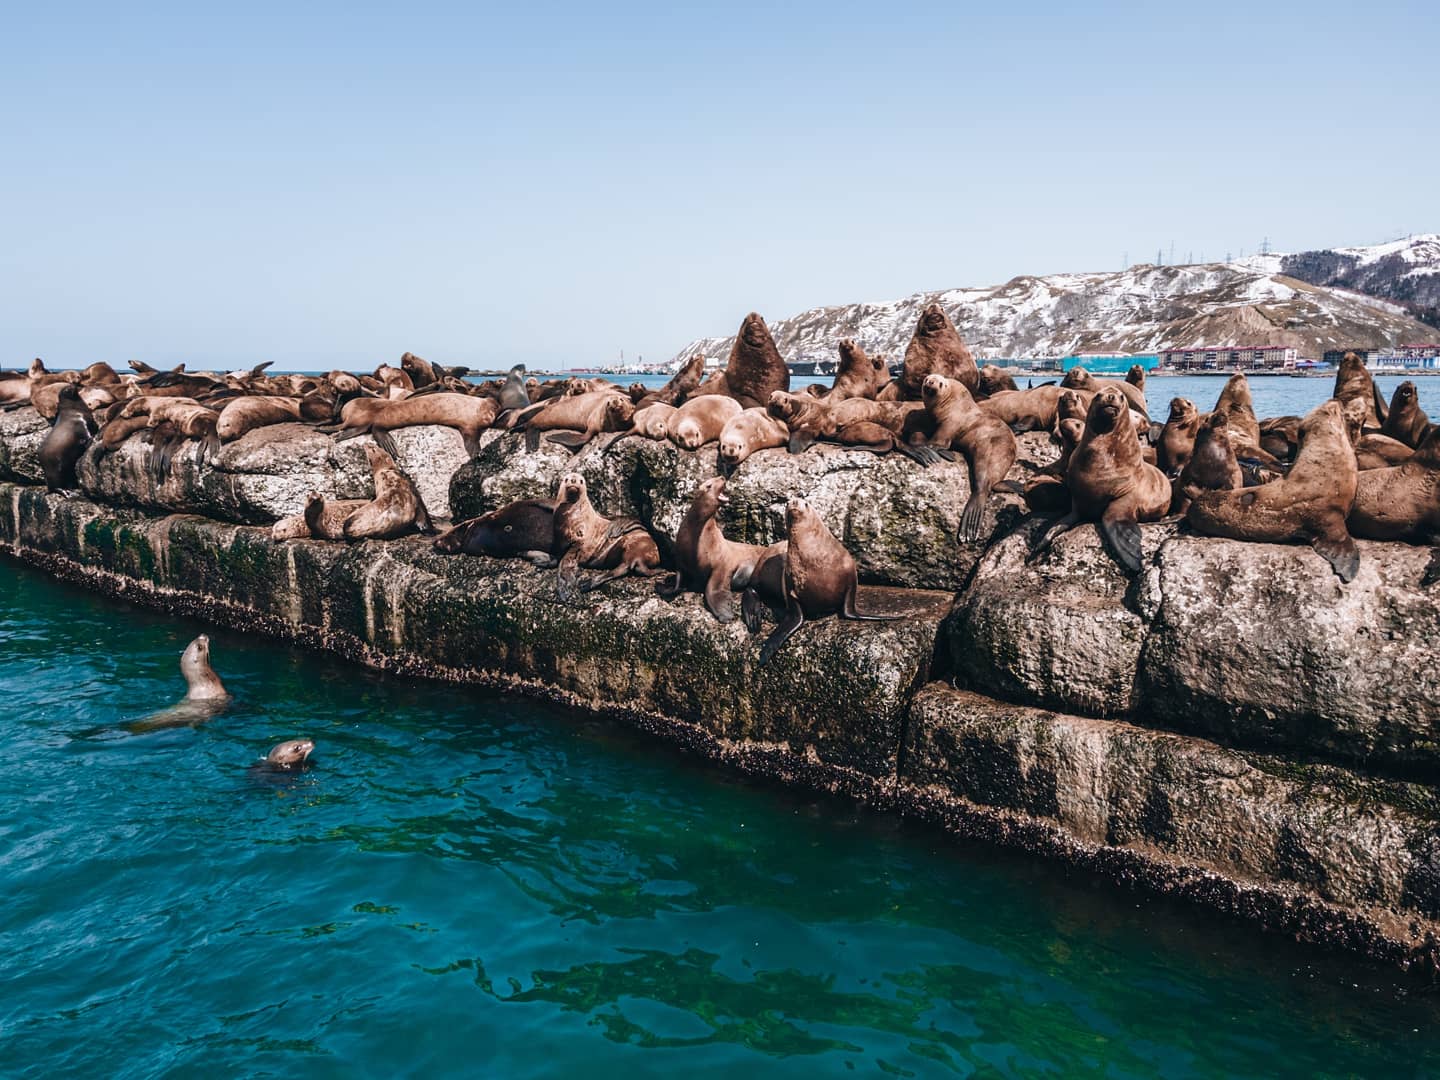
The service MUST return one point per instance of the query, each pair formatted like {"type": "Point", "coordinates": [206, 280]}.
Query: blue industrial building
{"type": "Point", "coordinates": [1110, 363]}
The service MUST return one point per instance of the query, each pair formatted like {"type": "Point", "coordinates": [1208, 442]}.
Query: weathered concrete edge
{"type": "Point", "coordinates": [1273, 906]}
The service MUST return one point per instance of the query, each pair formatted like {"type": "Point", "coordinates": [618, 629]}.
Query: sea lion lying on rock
{"type": "Point", "coordinates": [701, 420]}
{"type": "Point", "coordinates": [521, 530]}
{"type": "Point", "coordinates": [244, 414]}
{"type": "Point", "coordinates": [818, 577]}
{"type": "Point", "coordinates": [574, 420]}
{"type": "Point", "coordinates": [653, 421]}
{"type": "Point", "coordinates": [986, 442]}
{"type": "Point", "coordinates": [746, 432]}
{"type": "Point", "coordinates": [1109, 481]}
{"type": "Point", "coordinates": [378, 417]}
{"type": "Point", "coordinates": [397, 508]}
{"type": "Point", "coordinates": [995, 380]}
{"type": "Point", "coordinates": [1309, 503]}
{"type": "Point", "coordinates": [1035, 409]}
{"type": "Point", "coordinates": [590, 541]}
{"type": "Point", "coordinates": [710, 564]}
{"type": "Point", "coordinates": [876, 426]}
{"type": "Point", "coordinates": [1401, 502]}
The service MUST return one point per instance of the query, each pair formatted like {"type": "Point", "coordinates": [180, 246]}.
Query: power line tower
{"type": "Point", "coordinates": [1265, 246]}
{"type": "Point", "coordinates": [1159, 256]}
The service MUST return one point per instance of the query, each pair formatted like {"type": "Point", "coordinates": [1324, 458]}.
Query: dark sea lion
{"type": "Point", "coordinates": [701, 419]}
{"type": "Point", "coordinates": [1406, 421]}
{"type": "Point", "coordinates": [244, 414]}
{"type": "Point", "coordinates": [1177, 439]}
{"type": "Point", "coordinates": [681, 385]}
{"type": "Point", "coordinates": [754, 370]}
{"type": "Point", "coordinates": [935, 348]}
{"type": "Point", "coordinates": [994, 380]}
{"type": "Point", "coordinates": [421, 371]}
{"type": "Point", "coordinates": [588, 540]}
{"type": "Point", "coordinates": [710, 564]}
{"type": "Point", "coordinates": [1401, 502]}
{"type": "Point", "coordinates": [1280, 436]}
{"type": "Point", "coordinates": [1353, 383]}
{"type": "Point", "coordinates": [1109, 481]}
{"type": "Point", "coordinates": [520, 530]}
{"type": "Point", "coordinates": [985, 440]}
{"type": "Point", "coordinates": [1078, 378]}
{"type": "Point", "coordinates": [1310, 503]}
{"type": "Point", "coordinates": [513, 395]}
{"type": "Point", "coordinates": [397, 508]}
{"type": "Point", "coordinates": [1034, 409]}
{"type": "Point", "coordinates": [1136, 377]}
{"type": "Point", "coordinates": [746, 432]}
{"type": "Point", "coordinates": [205, 694]}
{"type": "Point", "coordinates": [290, 754]}
{"type": "Point", "coordinates": [574, 420]}
{"type": "Point", "coordinates": [465, 413]}
{"type": "Point", "coordinates": [859, 375]}
{"type": "Point", "coordinates": [819, 577]}
{"type": "Point", "coordinates": [1045, 492]}
{"type": "Point", "coordinates": [1212, 465]}
{"type": "Point", "coordinates": [67, 440]}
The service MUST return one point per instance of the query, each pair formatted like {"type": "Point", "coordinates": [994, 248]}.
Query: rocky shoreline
{"type": "Point", "coordinates": [1232, 725]}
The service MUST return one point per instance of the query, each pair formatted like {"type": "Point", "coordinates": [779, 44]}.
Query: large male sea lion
{"type": "Point", "coordinates": [1309, 503]}
{"type": "Point", "coordinates": [66, 441]}
{"type": "Point", "coordinates": [985, 440]}
{"type": "Point", "coordinates": [1109, 481]}
{"type": "Point", "coordinates": [1406, 421]}
{"type": "Point", "coordinates": [1353, 383]}
{"type": "Point", "coordinates": [746, 432]}
{"type": "Point", "coordinates": [1401, 502]}
{"type": "Point", "coordinates": [708, 563]}
{"type": "Point", "coordinates": [397, 508]}
{"type": "Point", "coordinates": [588, 540]}
{"type": "Point", "coordinates": [519, 530]}
{"type": "Point", "coordinates": [819, 577]}
{"type": "Point", "coordinates": [935, 348]}
{"type": "Point", "coordinates": [754, 370]}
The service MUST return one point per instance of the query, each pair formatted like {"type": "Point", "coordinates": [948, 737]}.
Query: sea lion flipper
{"type": "Point", "coordinates": [1341, 552]}
{"type": "Point", "coordinates": [1014, 487]}
{"type": "Point", "coordinates": [752, 609]}
{"type": "Point", "coordinates": [1432, 570]}
{"type": "Point", "coordinates": [668, 590]}
{"type": "Point", "coordinates": [1064, 524]}
{"type": "Point", "coordinates": [720, 600]}
{"type": "Point", "coordinates": [970, 519]}
{"type": "Point", "coordinates": [1122, 539]}
{"type": "Point", "coordinates": [570, 439]}
{"type": "Point", "coordinates": [386, 443]}
{"type": "Point", "coordinates": [800, 441]}
{"type": "Point", "coordinates": [849, 610]}
{"type": "Point", "coordinates": [532, 439]}
{"type": "Point", "coordinates": [792, 621]}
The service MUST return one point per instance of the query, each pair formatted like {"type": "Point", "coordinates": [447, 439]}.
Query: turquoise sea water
{"type": "Point", "coordinates": [470, 884]}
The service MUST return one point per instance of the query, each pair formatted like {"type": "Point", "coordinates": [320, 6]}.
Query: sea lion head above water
{"type": "Point", "coordinates": [200, 677]}
{"type": "Point", "coordinates": [291, 754]}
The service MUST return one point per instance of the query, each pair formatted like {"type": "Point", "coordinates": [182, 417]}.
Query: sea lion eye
{"type": "Point", "coordinates": [509, 528]}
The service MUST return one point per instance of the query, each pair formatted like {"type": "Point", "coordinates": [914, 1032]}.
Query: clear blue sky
{"type": "Point", "coordinates": [539, 182]}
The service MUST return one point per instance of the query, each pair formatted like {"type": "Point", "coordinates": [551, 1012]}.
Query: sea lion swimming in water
{"type": "Point", "coordinates": [205, 694]}
{"type": "Point", "coordinates": [66, 441]}
{"type": "Point", "coordinates": [290, 754]}
{"type": "Point", "coordinates": [521, 530]}
{"type": "Point", "coordinates": [818, 577]}
{"type": "Point", "coordinates": [1310, 503]}
{"type": "Point", "coordinates": [754, 370]}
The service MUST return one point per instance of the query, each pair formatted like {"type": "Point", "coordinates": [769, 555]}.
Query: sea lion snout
{"type": "Point", "coordinates": [290, 753]}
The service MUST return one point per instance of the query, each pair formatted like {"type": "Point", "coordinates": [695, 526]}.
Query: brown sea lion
{"type": "Point", "coordinates": [746, 432]}
{"type": "Point", "coordinates": [1035, 409]}
{"type": "Point", "coordinates": [378, 417]}
{"type": "Point", "coordinates": [986, 441]}
{"type": "Point", "coordinates": [588, 540]}
{"type": "Point", "coordinates": [1212, 465]}
{"type": "Point", "coordinates": [1406, 421]}
{"type": "Point", "coordinates": [574, 420]}
{"type": "Point", "coordinates": [1280, 436]}
{"type": "Point", "coordinates": [935, 348]}
{"type": "Point", "coordinates": [1177, 439]}
{"type": "Point", "coordinates": [1353, 383]}
{"type": "Point", "coordinates": [1310, 503]}
{"type": "Point", "coordinates": [1078, 378]}
{"type": "Point", "coordinates": [875, 426]}
{"type": "Point", "coordinates": [520, 530]}
{"type": "Point", "coordinates": [653, 421]}
{"type": "Point", "coordinates": [65, 443]}
{"type": "Point", "coordinates": [994, 380]}
{"type": "Point", "coordinates": [1136, 377]}
{"type": "Point", "coordinates": [701, 420]}
{"type": "Point", "coordinates": [710, 564]}
{"type": "Point", "coordinates": [1401, 502]}
{"type": "Point", "coordinates": [244, 414]}
{"type": "Point", "coordinates": [754, 370]}
{"type": "Point", "coordinates": [858, 376]}
{"type": "Point", "coordinates": [397, 508]}
{"type": "Point", "coordinates": [819, 577]}
{"type": "Point", "coordinates": [322, 519]}
{"type": "Point", "coordinates": [1109, 481]}
{"type": "Point", "coordinates": [205, 695]}
{"type": "Point", "coordinates": [290, 754]}
{"type": "Point", "coordinates": [1239, 409]}
{"type": "Point", "coordinates": [421, 372]}
{"type": "Point", "coordinates": [1045, 491]}
{"type": "Point", "coordinates": [681, 385]}
{"type": "Point", "coordinates": [1380, 452]}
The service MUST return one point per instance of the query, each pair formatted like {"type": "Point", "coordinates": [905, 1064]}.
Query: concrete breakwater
{"type": "Point", "coordinates": [1233, 725]}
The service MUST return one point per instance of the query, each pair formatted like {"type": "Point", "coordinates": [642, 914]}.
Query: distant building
{"type": "Point", "coordinates": [1228, 357]}
{"type": "Point", "coordinates": [1110, 363]}
{"type": "Point", "coordinates": [1406, 357]}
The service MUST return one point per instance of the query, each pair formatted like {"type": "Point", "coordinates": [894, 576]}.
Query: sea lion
{"type": "Point", "coordinates": [513, 396]}
{"type": "Point", "coordinates": [520, 530]}
{"type": "Point", "coordinates": [1377, 451]}
{"type": "Point", "coordinates": [1309, 503]}
{"type": "Point", "coordinates": [993, 380]}
{"type": "Point", "coordinates": [985, 440]}
{"type": "Point", "coordinates": [1212, 465]}
{"type": "Point", "coordinates": [1177, 439]}
{"type": "Point", "coordinates": [1109, 481]}
{"type": "Point", "coordinates": [1078, 378]}
{"type": "Point", "coordinates": [465, 413]}
{"type": "Point", "coordinates": [397, 508]}
{"type": "Point", "coordinates": [875, 426]}
{"type": "Point", "coordinates": [244, 414]}
{"type": "Point", "coordinates": [708, 563]}
{"type": "Point", "coordinates": [205, 695]}
{"type": "Point", "coordinates": [858, 375]}
{"type": "Point", "coordinates": [1136, 377]}
{"type": "Point", "coordinates": [1280, 436]}
{"type": "Point", "coordinates": [701, 420]}
{"type": "Point", "coordinates": [1406, 421]}
{"type": "Point", "coordinates": [754, 370]}
{"type": "Point", "coordinates": [819, 577]}
{"type": "Point", "coordinates": [935, 348]}
{"type": "Point", "coordinates": [1401, 502]}
{"type": "Point", "coordinates": [66, 441]}
{"type": "Point", "coordinates": [322, 519]}
{"type": "Point", "coordinates": [1033, 409]}
{"type": "Point", "coordinates": [574, 420]}
{"type": "Point", "coordinates": [681, 385]}
{"type": "Point", "coordinates": [290, 754]}
{"type": "Point", "coordinates": [653, 421]}
{"type": "Point", "coordinates": [421, 371]}
{"type": "Point", "coordinates": [588, 540]}
{"type": "Point", "coordinates": [1239, 409]}
{"type": "Point", "coordinates": [1045, 491]}
{"type": "Point", "coordinates": [746, 432]}
{"type": "Point", "coordinates": [1353, 383]}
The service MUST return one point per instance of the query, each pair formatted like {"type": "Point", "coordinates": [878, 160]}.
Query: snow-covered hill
{"type": "Point", "coordinates": [1405, 271]}
{"type": "Point", "coordinates": [1142, 309]}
